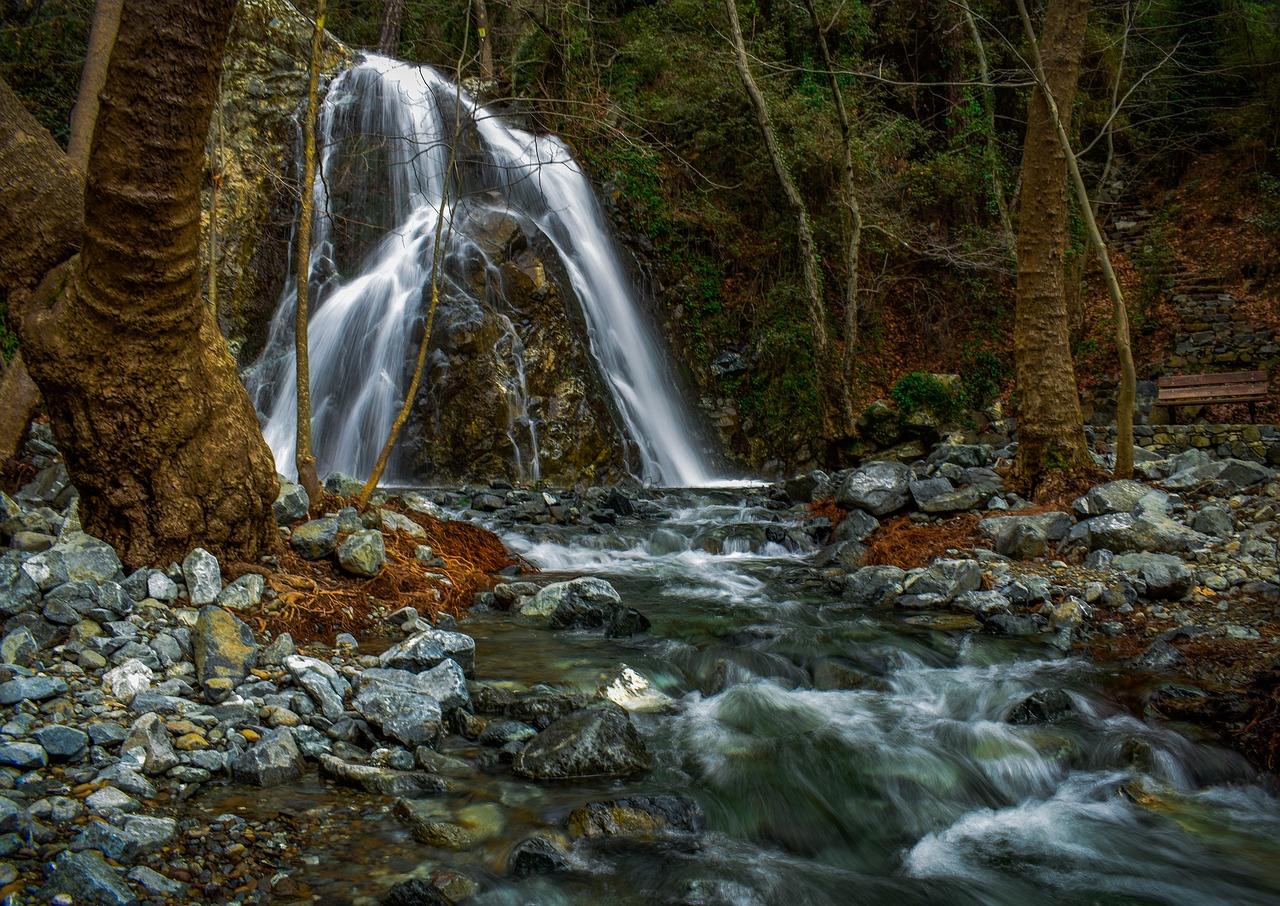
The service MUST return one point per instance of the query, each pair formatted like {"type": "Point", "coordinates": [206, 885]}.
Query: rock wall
{"type": "Point", "coordinates": [252, 143]}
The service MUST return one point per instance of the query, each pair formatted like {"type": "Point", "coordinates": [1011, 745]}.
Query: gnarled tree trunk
{"type": "Point", "coordinates": [159, 435]}
{"type": "Point", "coordinates": [1050, 424]}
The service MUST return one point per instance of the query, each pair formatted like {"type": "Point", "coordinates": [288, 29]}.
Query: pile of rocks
{"type": "Point", "coordinates": [1179, 556]}
{"type": "Point", "coordinates": [122, 695]}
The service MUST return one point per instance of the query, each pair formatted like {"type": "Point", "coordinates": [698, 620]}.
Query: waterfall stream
{"type": "Point", "coordinates": [441, 164]}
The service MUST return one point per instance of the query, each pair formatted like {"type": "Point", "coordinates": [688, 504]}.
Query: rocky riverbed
{"type": "Point", "coordinates": [132, 702]}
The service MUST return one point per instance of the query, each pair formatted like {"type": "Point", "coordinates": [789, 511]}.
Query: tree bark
{"type": "Point", "coordinates": [304, 459]}
{"type": "Point", "coordinates": [158, 433]}
{"type": "Point", "coordinates": [93, 75]}
{"type": "Point", "coordinates": [20, 401]}
{"type": "Point", "coordinates": [1050, 424]}
{"type": "Point", "coordinates": [486, 44]}
{"type": "Point", "coordinates": [1124, 350]}
{"type": "Point", "coordinates": [389, 33]}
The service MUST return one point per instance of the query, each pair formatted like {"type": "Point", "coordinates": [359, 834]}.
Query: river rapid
{"type": "Point", "coordinates": [840, 755]}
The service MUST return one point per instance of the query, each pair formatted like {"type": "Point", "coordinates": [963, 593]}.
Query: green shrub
{"type": "Point", "coordinates": [981, 375]}
{"type": "Point", "coordinates": [917, 390]}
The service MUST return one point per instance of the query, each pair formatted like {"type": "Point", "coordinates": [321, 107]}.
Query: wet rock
{"type": "Point", "coordinates": [149, 735]}
{"type": "Point", "coordinates": [1159, 656]}
{"type": "Point", "coordinates": [879, 488]}
{"type": "Point", "coordinates": [386, 781]}
{"type": "Point", "coordinates": [127, 680]}
{"type": "Point", "coordinates": [399, 711]}
{"type": "Point", "coordinates": [109, 799]}
{"type": "Point", "coordinates": [320, 681]}
{"type": "Point", "coordinates": [243, 593]}
{"type": "Point", "coordinates": [629, 690]}
{"type": "Point", "coordinates": [363, 554]}
{"type": "Point", "coordinates": [19, 647]}
{"type": "Point", "coordinates": [498, 733]}
{"type": "Point", "coordinates": [272, 760]}
{"type": "Point", "coordinates": [626, 622]}
{"type": "Point", "coordinates": [203, 575]}
{"type": "Point", "coordinates": [86, 878]}
{"type": "Point", "coordinates": [154, 882]}
{"type": "Point", "coordinates": [415, 892]}
{"type": "Point", "coordinates": [428, 648]}
{"type": "Point", "coordinates": [1043, 707]}
{"type": "Point", "coordinates": [292, 504]}
{"type": "Point", "coordinates": [31, 689]}
{"type": "Point", "coordinates": [1119, 496]}
{"type": "Point", "coordinates": [857, 525]}
{"type": "Point", "coordinates": [643, 817]}
{"type": "Point", "coordinates": [596, 741]}
{"type": "Point", "coordinates": [870, 586]}
{"type": "Point", "coordinates": [846, 555]}
{"type": "Point", "coordinates": [1015, 625]}
{"type": "Point", "coordinates": [316, 539]}
{"type": "Point", "coordinates": [1025, 537]}
{"type": "Point", "coordinates": [24, 755]}
{"type": "Point", "coordinates": [1214, 520]}
{"type": "Point", "coordinates": [946, 579]}
{"type": "Point", "coordinates": [18, 590]}
{"type": "Point", "coordinates": [128, 780]}
{"type": "Point", "coordinates": [1159, 575]}
{"type": "Point", "coordinates": [222, 646]}
{"type": "Point", "coordinates": [1121, 532]}
{"type": "Point", "coordinates": [585, 603]}
{"type": "Point", "coordinates": [543, 709]}
{"type": "Point", "coordinates": [538, 855]}
{"type": "Point", "coordinates": [62, 743]}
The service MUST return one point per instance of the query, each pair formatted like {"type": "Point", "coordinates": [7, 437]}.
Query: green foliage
{"type": "Point", "coordinates": [917, 390]}
{"type": "Point", "coordinates": [1156, 266]}
{"type": "Point", "coordinates": [982, 373]}
{"type": "Point", "coordinates": [1268, 219]}
{"type": "Point", "coordinates": [8, 339]}
{"type": "Point", "coordinates": [781, 394]}
{"type": "Point", "coordinates": [42, 47]}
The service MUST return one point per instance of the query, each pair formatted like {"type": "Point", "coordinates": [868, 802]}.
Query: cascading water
{"type": "Point", "coordinates": [448, 165]}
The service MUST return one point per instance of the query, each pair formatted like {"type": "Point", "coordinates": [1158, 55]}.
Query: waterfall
{"type": "Point", "coordinates": [440, 162]}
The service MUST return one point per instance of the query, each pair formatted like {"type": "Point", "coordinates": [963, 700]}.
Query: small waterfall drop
{"type": "Point", "coordinates": [441, 163]}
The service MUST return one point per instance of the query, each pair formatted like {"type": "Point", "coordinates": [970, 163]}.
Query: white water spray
{"type": "Point", "coordinates": [363, 326]}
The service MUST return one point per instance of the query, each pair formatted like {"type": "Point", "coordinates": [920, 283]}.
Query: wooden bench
{"type": "Point", "coordinates": [1203, 389]}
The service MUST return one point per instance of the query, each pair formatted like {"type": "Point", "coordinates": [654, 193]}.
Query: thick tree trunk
{"type": "Point", "coordinates": [389, 33]}
{"type": "Point", "coordinates": [1050, 425]}
{"type": "Point", "coordinates": [1124, 351]}
{"type": "Point", "coordinates": [20, 399]}
{"type": "Point", "coordinates": [93, 76]}
{"type": "Point", "coordinates": [158, 433]}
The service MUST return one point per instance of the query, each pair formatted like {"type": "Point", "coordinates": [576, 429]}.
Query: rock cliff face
{"type": "Point", "coordinates": [252, 158]}
{"type": "Point", "coordinates": [511, 390]}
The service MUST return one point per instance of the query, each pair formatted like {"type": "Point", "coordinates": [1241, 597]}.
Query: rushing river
{"type": "Point", "coordinates": [907, 784]}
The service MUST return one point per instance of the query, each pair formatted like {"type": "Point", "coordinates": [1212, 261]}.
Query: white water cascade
{"type": "Point", "coordinates": [364, 325]}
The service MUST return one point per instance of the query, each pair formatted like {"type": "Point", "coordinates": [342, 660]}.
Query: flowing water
{"type": "Point", "coordinates": [440, 165]}
{"type": "Point", "coordinates": [908, 784]}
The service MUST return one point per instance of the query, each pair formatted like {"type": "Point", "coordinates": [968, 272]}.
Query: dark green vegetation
{"type": "Point", "coordinates": [647, 95]}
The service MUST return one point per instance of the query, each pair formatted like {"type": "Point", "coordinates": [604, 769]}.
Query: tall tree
{"type": "Point", "coordinates": [836, 417]}
{"type": "Point", "coordinates": [304, 459]}
{"type": "Point", "coordinates": [102, 36]}
{"type": "Point", "coordinates": [389, 31]}
{"type": "Point", "coordinates": [158, 433]}
{"type": "Point", "coordinates": [1050, 424]}
{"type": "Point", "coordinates": [1124, 351]}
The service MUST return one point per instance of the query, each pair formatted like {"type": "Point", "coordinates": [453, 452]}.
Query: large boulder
{"type": "Point", "coordinates": [599, 741]}
{"type": "Point", "coordinates": [1119, 496]}
{"type": "Point", "coordinates": [584, 603]}
{"type": "Point", "coordinates": [86, 877]}
{"type": "Point", "coordinates": [397, 709]}
{"type": "Point", "coordinates": [1025, 537]}
{"type": "Point", "coordinates": [272, 760]}
{"type": "Point", "coordinates": [222, 646]}
{"type": "Point", "coordinates": [1120, 532]}
{"type": "Point", "coordinates": [879, 488]}
{"type": "Point", "coordinates": [872, 585]}
{"type": "Point", "coordinates": [363, 554]}
{"type": "Point", "coordinates": [1159, 575]}
{"type": "Point", "coordinates": [426, 649]}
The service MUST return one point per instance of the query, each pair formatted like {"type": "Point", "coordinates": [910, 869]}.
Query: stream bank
{"type": "Point", "coordinates": [705, 696]}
